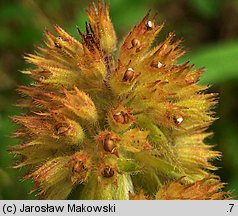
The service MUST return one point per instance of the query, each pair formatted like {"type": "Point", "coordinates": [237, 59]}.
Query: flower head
{"type": "Point", "coordinates": [126, 127]}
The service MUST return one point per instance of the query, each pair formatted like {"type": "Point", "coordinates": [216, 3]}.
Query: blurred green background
{"type": "Point", "coordinates": [210, 32]}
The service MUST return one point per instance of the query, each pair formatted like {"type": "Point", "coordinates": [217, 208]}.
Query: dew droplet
{"type": "Point", "coordinates": [150, 25]}
{"type": "Point", "coordinates": [129, 75]}
{"type": "Point", "coordinates": [179, 120]}
{"type": "Point", "coordinates": [135, 43]}
{"type": "Point", "coordinates": [156, 64]}
{"type": "Point", "coordinates": [108, 172]}
{"type": "Point", "coordinates": [159, 64]}
{"type": "Point", "coordinates": [119, 117]}
{"type": "Point", "coordinates": [109, 145]}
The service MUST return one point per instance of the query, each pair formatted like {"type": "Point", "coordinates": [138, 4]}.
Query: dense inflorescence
{"type": "Point", "coordinates": [133, 128]}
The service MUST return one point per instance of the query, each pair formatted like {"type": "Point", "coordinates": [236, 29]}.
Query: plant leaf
{"type": "Point", "coordinates": [220, 62]}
